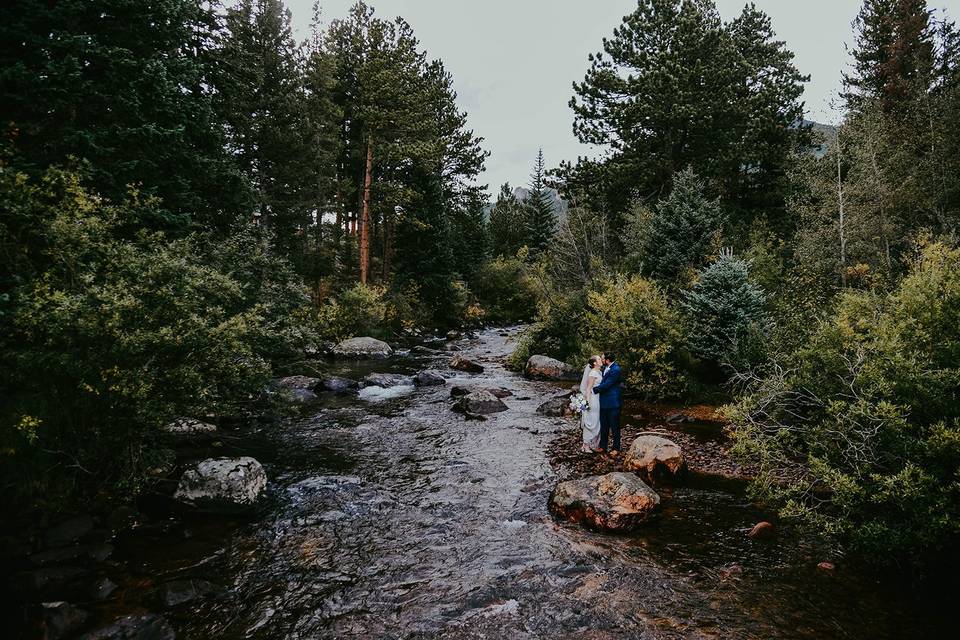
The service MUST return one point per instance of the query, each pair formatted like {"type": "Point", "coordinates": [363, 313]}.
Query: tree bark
{"type": "Point", "coordinates": [365, 216]}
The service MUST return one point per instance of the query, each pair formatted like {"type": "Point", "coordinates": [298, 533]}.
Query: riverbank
{"type": "Point", "coordinates": [389, 514]}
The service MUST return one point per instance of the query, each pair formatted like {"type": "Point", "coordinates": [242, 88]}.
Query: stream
{"type": "Point", "coordinates": [391, 516]}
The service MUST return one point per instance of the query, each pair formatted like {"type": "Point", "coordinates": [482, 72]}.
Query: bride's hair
{"type": "Point", "coordinates": [593, 361]}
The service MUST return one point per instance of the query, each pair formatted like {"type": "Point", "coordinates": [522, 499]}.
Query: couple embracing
{"type": "Point", "coordinates": [602, 387]}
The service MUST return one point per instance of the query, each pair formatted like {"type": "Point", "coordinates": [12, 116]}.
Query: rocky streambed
{"type": "Point", "coordinates": [407, 497]}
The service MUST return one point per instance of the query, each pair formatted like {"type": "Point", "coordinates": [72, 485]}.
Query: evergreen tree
{"type": "Point", "coordinates": [468, 238]}
{"type": "Point", "coordinates": [678, 237]}
{"type": "Point", "coordinates": [725, 310]}
{"type": "Point", "coordinates": [262, 101]}
{"type": "Point", "coordinates": [541, 217]}
{"type": "Point", "coordinates": [675, 87]}
{"type": "Point", "coordinates": [893, 56]}
{"type": "Point", "coordinates": [125, 86]}
{"type": "Point", "coordinates": [507, 227]}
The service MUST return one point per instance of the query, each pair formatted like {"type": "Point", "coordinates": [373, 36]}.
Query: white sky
{"type": "Point", "coordinates": [513, 61]}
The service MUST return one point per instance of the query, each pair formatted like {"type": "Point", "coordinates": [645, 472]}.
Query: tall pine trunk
{"type": "Point", "coordinates": [365, 219]}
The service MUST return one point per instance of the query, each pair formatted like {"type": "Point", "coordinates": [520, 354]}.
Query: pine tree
{"type": "Point", "coordinates": [675, 87]}
{"type": "Point", "coordinates": [541, 218]}
{"type": "Point", "coordinates": [724, 308]}
{"type": "Point", "coordinates": [125, 86]}
{"type": "Point", "coordinates": [680, 233]}
{"type": "Point", "coordinates": [506, 228]}
{"type": "Point", "coordinates": [893, 56]}
{"type": "Point", "coordinates": [262, 101]}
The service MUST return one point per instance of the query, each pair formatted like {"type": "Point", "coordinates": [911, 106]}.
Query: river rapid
{"type": "Point", "coordinates": [391, 516]}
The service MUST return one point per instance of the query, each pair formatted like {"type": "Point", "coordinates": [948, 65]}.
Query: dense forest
{"type": "Point", "coordinates": [191, 199]}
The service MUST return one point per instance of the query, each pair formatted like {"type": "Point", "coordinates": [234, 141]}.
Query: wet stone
{"type": "Point", "coordinates": [387, 380]}
{"type": "Point", "coordinates": [545, 368]}
{"type": "Point", "coordinates": [48, 579]}
{"type": "Point", "coordinates": [297, 382]}
{"type": "Point", "coordinates": [457, 391]}
{"type": "Point", "coordinates": [762, 531]}
{"type": "Point", "coordinates": [363, 348]}
{"type": "Point", "coordinates": [429, 379]}
{"type": "Point", "coordinates": [463, 364]}
{"type": "Point", "coordinates": [80, 553]}
{"type": "Point", "coordinates": [555, 407]}
{"type": "Point", "coordinates": [101, 589]}
{"type": "Point", "coordinates": [136, 627]}
{"type": "Point", "coordinates": [613, 502]}
{"type": "Point", "coordinates": [178, 592]}
{"type": "Point", "coordinates": [222, 484]}
{"type": "Point", "coordinates": [338, 385]}
{"type": "Point", "coordinates": [189, 427]}
{"type": "Point", "coordinates": [654, 457]}
{"type": "Point", "coordinates": [60, 619]}
{"type": "Point", "coordinates": [479, 402]}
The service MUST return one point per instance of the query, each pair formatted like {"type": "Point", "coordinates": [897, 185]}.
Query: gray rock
{"type": "Point", "coordinates": [68, 531]}
{"type": "Point", "coordinates": [479, 402]}
{"type": "Point", "coordinates": [177, 592]}
{"type": "Point", "coordinates": [222, 484]}
{"type": "Point", "coordinates": [147, 626]}
{"type": "Point", "coordinates": [679, 418]}
{"type": "Point", "coordinates": [297, 382]}
{"type": "Point", "coordinates": [363, 348]}
{"type": "Point", "coordinates": [654, 457]}
{"type": "Point", "coordinates": [500, 392]}
{"type": "Point", "coordinates": [189, 427]}
{"type": "Point", "coordinates": [612, 502]}
{"type": "Point", "coordinates": [429, 379]}
{"type": "Point", "coordinates": [300, 396]}
{"type": "Point", "coordinates": [463, 364]}
{"type": "Point", "coordinates": [338, 385]}
{"type": "Point", "coordinates": [544, 368]}
{"type": "Point", "coordinates": [555, 407]}
{"type": "Point", "coordinates": [101, 589]}
{"type": "Point", "coordinates": [387, 380]}
{"type": "Point", "coordinates": [458, 391]}
{"type": "Point", "coordinates": [61, 619]}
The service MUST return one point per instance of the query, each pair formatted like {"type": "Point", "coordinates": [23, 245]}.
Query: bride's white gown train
{"type": "Point", "coordinates": [590, 419]}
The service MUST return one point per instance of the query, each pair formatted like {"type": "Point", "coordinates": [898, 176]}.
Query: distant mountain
{"type": "Point", "coordinates": [823, 136]}
{"type": "Point", "coordinates": [522, 193]}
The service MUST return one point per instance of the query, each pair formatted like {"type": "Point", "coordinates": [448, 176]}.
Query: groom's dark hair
{"type": "Point", "coordinates": [609, 355]}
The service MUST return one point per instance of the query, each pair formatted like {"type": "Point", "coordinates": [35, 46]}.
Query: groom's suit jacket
{"type": "Point", "coordinates": [610, 388]}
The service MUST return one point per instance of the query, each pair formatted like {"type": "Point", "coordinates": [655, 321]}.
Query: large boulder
{"type": "Point", "coordinates": [612, 502]}
{"type": "Point", "coordinates": [654, 457]}
{"type": "Point", "coordinates": [297, 382]}
{"type": "Point", "coordinates": [387, 380]}
{"type": "Point", "coordinates": [338, 385]}
{"type": "Point", "coordinates": [556, 407]}
{"type": "Point", "coordinates": [363, 348]}
{"type": "Point", "coordinates": [61, 619]}
{"type": "Point", "coordinates": [462, 364]}
{"type": "Point", "coordinates": [544, 368]}
{"type": "Point", "coordinates": [189, 428]}
{"type": "Point", "coordinates": [479, 402]}
{"type": "Point", "coordinates": [222, 484]}
{"type": "Point", "coordinates": [429, 379]}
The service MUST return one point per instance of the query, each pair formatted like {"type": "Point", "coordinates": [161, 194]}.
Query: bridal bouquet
{"type": "Point", "coordinates": [578, 404]}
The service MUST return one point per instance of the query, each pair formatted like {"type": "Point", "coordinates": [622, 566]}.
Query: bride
{"type": "Point", "coordinates": [590, 419]}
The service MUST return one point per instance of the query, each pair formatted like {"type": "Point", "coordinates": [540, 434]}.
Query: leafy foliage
{"type": "Point", "coordinates": [866, 417]}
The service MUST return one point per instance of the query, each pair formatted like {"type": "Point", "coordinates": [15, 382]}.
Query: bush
{"type": "Point", "coordinates": [505, 292]}
{"type": "Point", "coordinates": [106, 336]}
{"type": "Point", "coordinates": [362, 310]}
{"type": "Point", "coordinates": [865, 420]}
{"type": "Point", "coordinates": [631, 317]}
{"type": "Point", "coordinates": [725, 314]}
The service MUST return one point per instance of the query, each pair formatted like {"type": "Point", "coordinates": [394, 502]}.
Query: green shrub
{"type": "Point", "coordinates": [361, 310]}
{"type": "Point", "coordinates": [865, 418]}
{"type": "Point", "coordinates": [505, 292]}
{"type": "Point", "coordinates": [631, 317]}
{"type": "Point", "coordinates": [108, 335]}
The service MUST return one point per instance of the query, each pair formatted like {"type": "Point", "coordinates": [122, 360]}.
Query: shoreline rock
{"type": "Point", "coordinates": [546, 368]}
{"type": "Point", "coordinates": [363, 348]}
{"type": "Point", "coordinates": [463, 364]}
{"type": "Point", "coordinates": [615, 502]}
{"type": "Point", "coordinates": [654, 457]}
{"type": "Point", "coordinates": [222, 484]}
{"type": "Point", "coordinates": [479, 402]}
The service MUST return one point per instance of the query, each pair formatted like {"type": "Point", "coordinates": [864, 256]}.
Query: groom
{"type": "Point", "coordinates": [610, 390]}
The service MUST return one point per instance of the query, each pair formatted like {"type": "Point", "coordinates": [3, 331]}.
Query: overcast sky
{"type": "Point", "coordinates": [513, 61]}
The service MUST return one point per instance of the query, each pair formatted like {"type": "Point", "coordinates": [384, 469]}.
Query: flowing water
{"type": "Point", "coordinates": [394, 517]}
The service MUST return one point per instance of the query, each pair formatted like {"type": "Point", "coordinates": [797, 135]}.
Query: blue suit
{"type": "Point", "coordinates": [610, 390]}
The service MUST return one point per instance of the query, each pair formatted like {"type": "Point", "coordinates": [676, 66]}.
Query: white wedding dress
{"type": "Point", "coordinates": [590, 419]}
